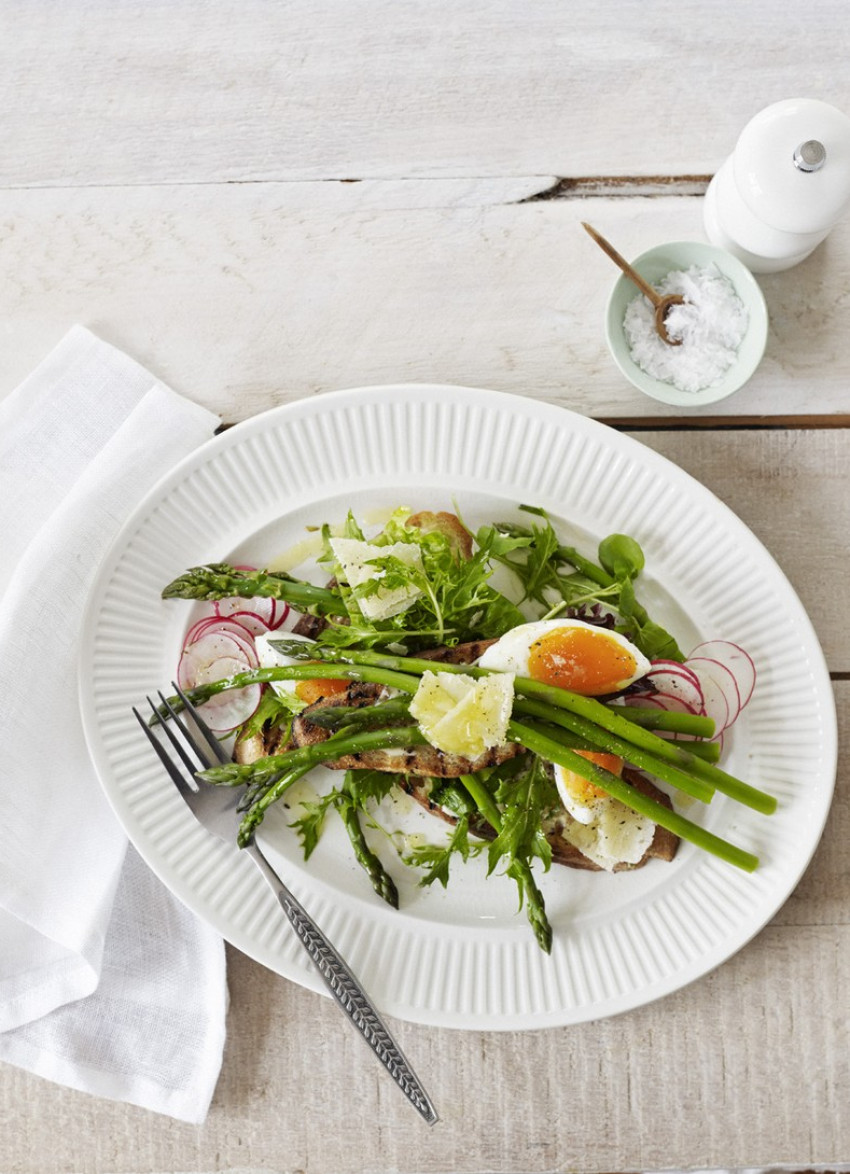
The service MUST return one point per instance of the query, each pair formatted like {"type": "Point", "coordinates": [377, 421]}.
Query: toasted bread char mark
{"type": "Point", "coordinates": [424, 761]}
{"type": "Point", "coordinates": [663, 847]}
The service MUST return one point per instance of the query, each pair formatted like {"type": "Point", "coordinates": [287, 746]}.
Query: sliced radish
{"type": "Point", "coordinates": [260, 605]}
{"type": "Point", "coordinates": [662, 701]}
{"type": "Point", "coordinates": [669, 701]}
{"type": "Point", "coordinates": [237, 626]}
{"type": "Point", "coordinates": [289, 620]}
{"type": "Point", "coordinates": [736, 660]}
{"type": "Point", "coordinates": [715, 704]}
{"type": "Point", "coordinates": [674, 666]}
{"type": "Point", "coordinates": [198, 628]}
{"type": "Point", "coordinates": [281, 612]}
{"type": "Point", "coordinates": [644, 701]}
{"type": "Point", "coordinates": [210, 648]}
{"type": "Point", "coordinates": [724, 678]}
{"type": "Point", "coordinates": [254, 623]}
{"type": "Point", "coordinates": [225, 711]}
{"type": "Point", "coordinates": [230, 627]}
{"type": "Point", "coordinates": [678, 704]}
{"type": "Point", "coordinates": [218, 640]}
{"type": "Point", "coordinates": [679, 682]}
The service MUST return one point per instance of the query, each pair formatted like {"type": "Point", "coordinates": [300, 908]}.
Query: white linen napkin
{"type": "Point", "coordinates": [107, 983]}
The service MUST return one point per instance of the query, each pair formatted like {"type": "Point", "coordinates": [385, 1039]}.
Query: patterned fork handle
{"type": "Point", "coordinates": [347, 991]}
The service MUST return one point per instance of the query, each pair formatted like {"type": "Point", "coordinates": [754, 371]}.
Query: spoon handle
{"type": "Point", "coordinates": [631, 273]}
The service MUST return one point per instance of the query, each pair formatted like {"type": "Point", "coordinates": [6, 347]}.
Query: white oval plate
{"type": "Point", "coordinates": [464, 956]}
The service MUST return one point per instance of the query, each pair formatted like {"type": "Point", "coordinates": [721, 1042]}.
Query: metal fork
{"type": "Point", "coordinates": [216, 809]}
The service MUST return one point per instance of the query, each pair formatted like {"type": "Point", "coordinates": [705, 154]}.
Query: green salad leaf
{"type": "Point", "coordinates": [556, 576]}
{"type": "Point", "coordinates": [456, 603]}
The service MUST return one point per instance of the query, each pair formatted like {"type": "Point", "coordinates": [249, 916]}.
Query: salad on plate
{"type": "Point", "coordinates": [511, 685]}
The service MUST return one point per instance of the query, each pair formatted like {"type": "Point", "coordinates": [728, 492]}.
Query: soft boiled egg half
{"type": "Point", "coordinates": [593, 661]}
{"type": "Point", "coordinates": [601, 827]}
{"type": "Point", "coordinates": [571, 654]}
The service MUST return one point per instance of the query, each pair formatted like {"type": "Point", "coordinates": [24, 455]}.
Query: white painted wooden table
{"type": "Point", "coordinates": [262, 201]}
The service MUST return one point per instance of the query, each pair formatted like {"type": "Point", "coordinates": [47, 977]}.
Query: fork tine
{"type": "Point", "coordinates": [165, 758]}
{"type": "Point", "coordinates": [211, 740]}
{"type": "Point", "coordinates": [206, 759]}
{"type": "Point", "coordinates": [192, 766]}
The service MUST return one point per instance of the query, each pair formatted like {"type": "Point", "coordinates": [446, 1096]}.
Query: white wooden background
{"type": "Point", "coordinates": [262, 200]}
{"type": "Point", "coordinates": [275, 198]}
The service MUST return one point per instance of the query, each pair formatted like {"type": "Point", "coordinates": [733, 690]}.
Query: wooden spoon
{"type": "Point", "coordinates": [661, 302]}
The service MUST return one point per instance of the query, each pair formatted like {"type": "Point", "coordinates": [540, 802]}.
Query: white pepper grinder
{"type": "Point", "coordinates": [784, 186]}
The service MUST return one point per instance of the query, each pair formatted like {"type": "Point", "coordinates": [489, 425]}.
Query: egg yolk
{"type": "Point", "coordinates": [317, 690]}
{"type": "Point", "coordinates": [583, 790]}
{"type": "Point", "coordinates": [585, 660]}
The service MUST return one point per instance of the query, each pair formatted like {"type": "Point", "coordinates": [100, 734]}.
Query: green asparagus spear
{"type": "Point", "coordinates": [536, 739]}
{"type": "Point", "coordinates": [404, 682]}
{"type": "Point", "coordinates": [694, 724]}
{"type": "Point", "coordinates": [263, 791]}
{"type": "Point", "coordinates": [349, 810]}
{"type": "Point", "coordinates": [519, 868]}
{"type": "Point", "coordinates": [383, 715]}
{"type": "Point", "coordinates": [237, 774]}
{"type": "Point", "coordinates": [222, 581]}
{"type": "Point", "coordinates": [602, 739]}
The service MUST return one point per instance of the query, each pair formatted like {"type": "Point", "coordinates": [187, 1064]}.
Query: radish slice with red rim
{"type": "Point", "coordinates": [662, 702]}
{"type": "Point", "coordinates": [683, 685]}
{"type": "Point", "coordinates": [726, 681]}
{"type": "Point", "coordinates": [715, 704]}
{"type": "Point", "coordinates": [251, 621]}
{"type": "Point", "coordinates": [234, 641]}
{"type": "Point", "coordinates": [672, 703]}
{"type": "Point", "coordinates": [261, 606]}
{"type": "Point", "coordinates": [229, 627]}
{"type": "Point", "coordinates": [198, 628]}
{"type": "Point", "coordinates": [678, 704]}
{"type": "Point", "coordinates": [673, 666]}
{"type": "Point", "coordinates": [736, 660]}
{"type": "Point", "coordinates": [225, 711]}
{"type": "Point", "coordinates": [289, 620]}
{"type": "Point", "coordinates": [644, 700]}
{"type": "Point", "coordinates": [668, 701]}
{"type": "Point", "coordinates": [212, 647]}
{"type": "Point", "coordinates": [282, 611]}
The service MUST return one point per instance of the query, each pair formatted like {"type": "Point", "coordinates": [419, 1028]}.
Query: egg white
{"type": "Point", "coordinates": [585, 811]}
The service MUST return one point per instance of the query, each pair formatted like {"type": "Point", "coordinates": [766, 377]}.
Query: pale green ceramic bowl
{"type": "Point", "coordinates": [654, 265]}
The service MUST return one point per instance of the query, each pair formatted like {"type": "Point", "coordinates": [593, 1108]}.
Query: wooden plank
{"type": "Point", "coordinates": [98, 93]}
{"type": "Point", "coordinates": [745, 1067]}
{"type": "Point", "coordinates": [790, 488]}
{"type": "Point", "coordinates": [245, 296]}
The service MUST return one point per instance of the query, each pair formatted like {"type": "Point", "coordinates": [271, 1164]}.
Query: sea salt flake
{"type": "Point", "coordinates": [711, 323]}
